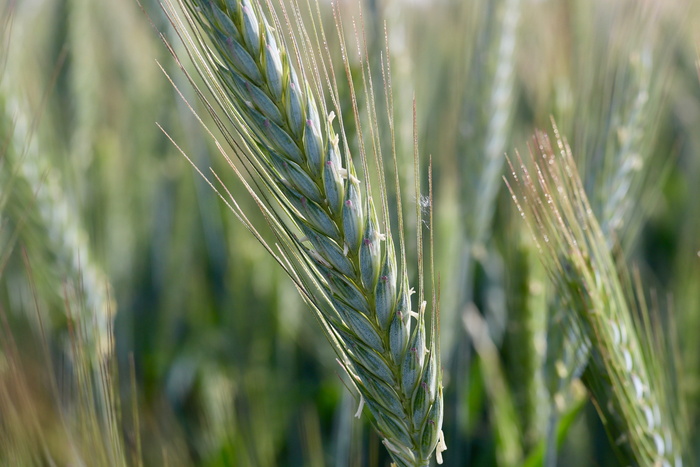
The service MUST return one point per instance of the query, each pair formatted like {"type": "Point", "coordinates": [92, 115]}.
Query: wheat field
{"type": "Point", "coordinates": [349, 233]}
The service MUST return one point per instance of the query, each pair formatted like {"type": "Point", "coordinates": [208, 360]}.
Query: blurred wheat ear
{"type": "Point", "coordinates": [630, 372]}
{"type": "Point", "coordinates": [268, 99]}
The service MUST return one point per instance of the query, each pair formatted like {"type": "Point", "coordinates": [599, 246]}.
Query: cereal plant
{"type": "Point", "coordinates": [488, 209]}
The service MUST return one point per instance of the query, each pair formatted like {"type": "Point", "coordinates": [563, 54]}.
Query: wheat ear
{"type": "Point", "coordinates": [46, 219]}
{"type": "Point", "coordinates": [627, 375]}
{"type": "Point", "coordinates": [341, 262]}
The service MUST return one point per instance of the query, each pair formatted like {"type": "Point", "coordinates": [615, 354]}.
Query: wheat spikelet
{"type": "Point", "coordinates": [334, 244]}
{"type": "Point", "coordinates": [625, 376]}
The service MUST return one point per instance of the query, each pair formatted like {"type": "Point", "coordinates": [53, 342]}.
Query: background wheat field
{"type": "Point", "coordinates": [142, 324]}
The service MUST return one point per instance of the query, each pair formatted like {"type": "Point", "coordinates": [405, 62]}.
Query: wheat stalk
{"type": "Point", "coordinates": [626, 376]}
{"type": "Point", "coordinates": [331, 238]}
